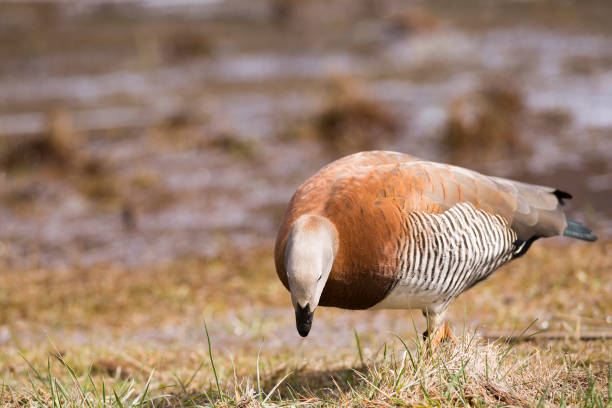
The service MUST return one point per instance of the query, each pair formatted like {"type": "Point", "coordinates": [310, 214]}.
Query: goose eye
{"type": "Point", "coordinates": [320, 276]}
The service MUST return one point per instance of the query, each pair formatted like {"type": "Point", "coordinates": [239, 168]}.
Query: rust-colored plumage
{"type": "Point", "coordinates": [374, 200]}
{"type": "Point", "coordinates": [358, 280]}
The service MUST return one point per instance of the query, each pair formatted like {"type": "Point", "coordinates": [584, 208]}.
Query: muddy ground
{"type": "Point", "coordinates": [134, 133]}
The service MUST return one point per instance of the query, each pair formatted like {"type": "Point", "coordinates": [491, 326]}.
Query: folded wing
{"type": "Point", "coordinates": [530, 210]}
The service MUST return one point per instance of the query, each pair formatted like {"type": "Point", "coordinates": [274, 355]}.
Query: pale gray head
{"type": "Point", "coordinates": [309, 257]}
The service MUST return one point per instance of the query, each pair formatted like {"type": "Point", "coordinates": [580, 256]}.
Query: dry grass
{"type": "Point", "coordinates": [413, 20]}
{"type": "Point", "coordinates": [87, 298]}
{"type": "Point", "coordinates": [185, 44]}
{"type": "Point", "coordinates": [58, 146]}
{"type": "Point", "coordinates": [59, 151]}
{"type": "Point", "coordinates": [349, 122]}
{"type": "Point", "coordinates": [192, 130]}
{"type": "Point", "coordinates": [283, 12]}
{"type": "Point", "coordinates": [398, 373]}
{"type": "Point", "coordinates": [553, 120]}
{"type": "Point", "coordinates": [485, 122]}
{"type": "Point", "coordinates": [140, 333]}
{"type": "Point", "coordinates": [583, 65]}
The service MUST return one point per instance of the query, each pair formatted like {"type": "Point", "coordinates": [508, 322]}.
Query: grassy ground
{"type": "Point", "coordinates": [107, 336]}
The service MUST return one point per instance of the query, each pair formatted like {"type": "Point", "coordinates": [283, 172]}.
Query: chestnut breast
{"type": "Point", "coordinates": [368, 207]}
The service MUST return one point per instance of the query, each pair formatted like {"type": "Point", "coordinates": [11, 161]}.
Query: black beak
{"type": "Point", "coordinates": [303, 319]}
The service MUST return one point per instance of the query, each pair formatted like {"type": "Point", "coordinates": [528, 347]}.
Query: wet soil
{"type": "Point", "coordinates": [185, 107]}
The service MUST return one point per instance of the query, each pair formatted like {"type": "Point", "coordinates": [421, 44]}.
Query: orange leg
{"type": "Point", "coordinates": [440, 333]}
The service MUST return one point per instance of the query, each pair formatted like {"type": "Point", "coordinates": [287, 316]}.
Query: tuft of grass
{"type": "Point", "coordinates": [554, 120]}
{"type": "Point", "coordinates": [57, 146]}
{"type": "Point", "coordinates": [587, 65]}
{"type": "Point", "coordinates": [59, 151]}
{"type": "Point", "coordinates": [486, 122]}
{"type": "Point", "coordinates": [413, 20]}
{"type": "Point", "coordinates": [234, 145]}
{"type": "Point", "coordinates": [82, 389]}
{"type": "Point", "coordinates": [401, 373]}
{"type": "Point", "coordinates": [185, 44]}
{"type": "Point", "coordinates": [283, 13]}
{"type": "Point", "coordinates": [190, 130]}
{"type": "Point", "coordinates": [350, 121]}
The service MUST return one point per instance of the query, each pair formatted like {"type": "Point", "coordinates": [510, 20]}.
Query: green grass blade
{"type": "Point", "coordinates": [39, 377]}
{"type": "Point", "coordinates": [212, 362]}
{"type": "Point", "coordinates": [118, 400]}
{"type": "Point", "coordinates": [259, 391]}
{"type": "Point", "coordinates": [542, 398]}
{"type": "Point", "coordinates": [146, 390]}
{"type": "Point", "coordinates": [103, 392]}
{"type": "Point", "coordinates": [359, 348]}
{"type": "Point", "coordinates": [609, 386]}
{"type": "Point", "coordinates": [188, 383]}
{"type": "Point", "coordinates": [276, 386]}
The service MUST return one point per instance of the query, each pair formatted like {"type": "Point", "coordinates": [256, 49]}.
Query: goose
{"type": "Point", "coordinates": [386, 230]}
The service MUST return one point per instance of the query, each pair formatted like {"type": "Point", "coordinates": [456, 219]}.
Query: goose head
{"type": "Point", "coordinates": [309, 257]}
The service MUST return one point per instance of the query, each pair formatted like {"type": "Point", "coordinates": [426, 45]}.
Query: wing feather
{"type": "Point", "coordinates": [416, 185]}
{"type": "Point", "coordinates": [531, 210]}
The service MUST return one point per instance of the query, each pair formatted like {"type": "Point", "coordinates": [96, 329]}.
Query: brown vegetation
{"type": "Point", "coordinates": [553, 120]}
{"type": "Point", "coordinates": [59, 151]}
{"type": "Point", "coordinates": [57, 146]}
{"type": "Point", "coordinates": [487, 122]}
{"type": "Point", "coordinates": [283, 12]}
{"type": "Point", "coordinates": [411, 20]}
{"type": "Point", "coordinates": [349, 122]}
{"type": "Point", "coordinates": [191, 130]}
{"type": "Point", "coordinates": [587, 65]}
{"type": "Point", "coordinates": [185, 44]}
{"type": "Point", "coordinates": [379, 369]}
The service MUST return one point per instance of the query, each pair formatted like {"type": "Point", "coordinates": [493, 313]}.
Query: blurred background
{"type": "Point", "coordinates": [139, 132]}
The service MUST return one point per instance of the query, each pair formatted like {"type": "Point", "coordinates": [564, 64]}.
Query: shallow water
{"type": "Point", "coordinates": [223, 178]}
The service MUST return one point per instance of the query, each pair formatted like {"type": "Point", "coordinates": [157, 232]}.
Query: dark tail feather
{"type": "Point", "coordinates": [575, 229]}
{"type": "Point", "coordinates": [561, 195]}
